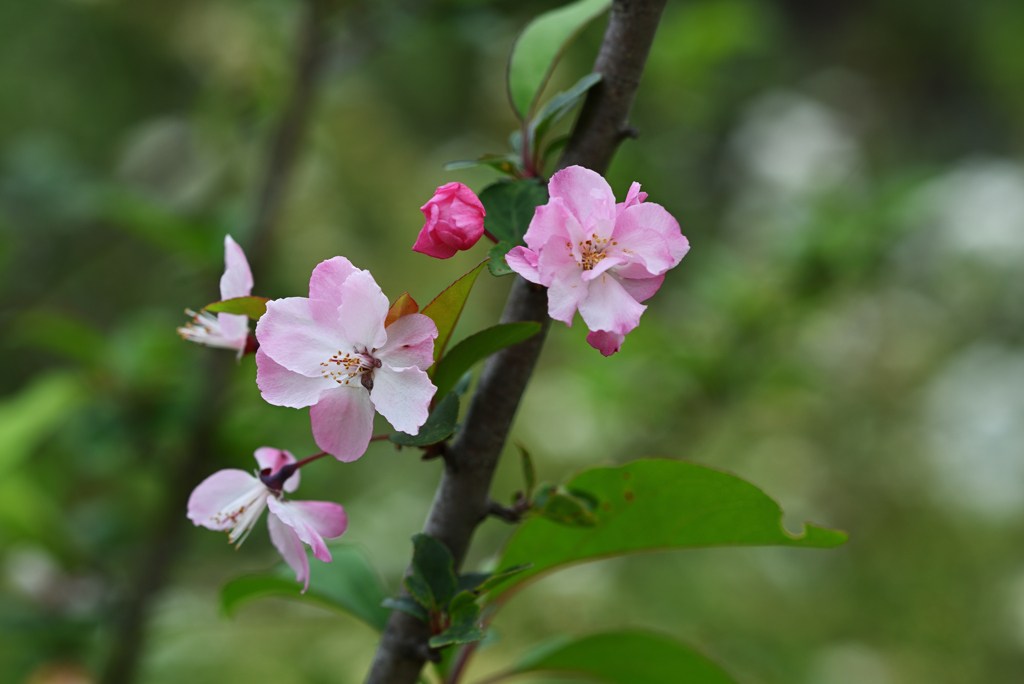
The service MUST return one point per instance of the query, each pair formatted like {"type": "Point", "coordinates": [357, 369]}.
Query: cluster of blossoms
{"type": "Point", "coordinates": [343, 353]}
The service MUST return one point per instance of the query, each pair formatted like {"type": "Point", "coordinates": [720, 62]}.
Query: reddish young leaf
{"type": "Point", "coordinates": [403, 306]}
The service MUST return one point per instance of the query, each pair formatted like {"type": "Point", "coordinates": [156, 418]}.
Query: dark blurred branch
{"type": "Point", "coordinates": [167, 538]}
{"type": "Point", "coordinates": [311, 48]}
{"type": "Point", "coordinates": [463, 498]}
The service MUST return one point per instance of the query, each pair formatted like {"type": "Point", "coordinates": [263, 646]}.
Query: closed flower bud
{"type": "Point", "coordinates": [455, 222]}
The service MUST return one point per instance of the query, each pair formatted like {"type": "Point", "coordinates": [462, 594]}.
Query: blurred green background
{"type": "Point", "coordinates": [846, 332]}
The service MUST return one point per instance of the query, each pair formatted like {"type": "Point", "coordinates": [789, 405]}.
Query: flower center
{"type": "Point", "coordinates": [242, 514]}
{"type": "Point", "coordinates": [592, 251]}
{"type": "Point", "coordinates": [343, 368]}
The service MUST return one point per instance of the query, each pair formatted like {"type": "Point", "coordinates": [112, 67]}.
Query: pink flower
{"type": "Point", "coordinates": [455, 221]}
{"type": "Point", "coordinates": [333, 353]}
{"type": "Point", "coordinates": [232, 500]}
{"type": "Point", "coordinates": [227, 331]}
{"type": "Point", "coordinates": [596, 256]}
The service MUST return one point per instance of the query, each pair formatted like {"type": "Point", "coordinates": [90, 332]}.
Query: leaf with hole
{"type": "Point", "coordinates": [440, 424]}
{"type": "Point", "coordinates": [566, 506]}
{"type": "Point", "coordinates": [656, 504]}
{"type": "Point", "coordinates": [539, 47]}
{"type": "Point", "coordinates": [253, 307]}
{"type": "Point", "coordinates": [348, 584]}
{"type": "Point", "coordinates": [477, 347]}
{"type": "Point", "coordinates": [510, 206]}
{"type": "Point", "coordinates": [447, 307]}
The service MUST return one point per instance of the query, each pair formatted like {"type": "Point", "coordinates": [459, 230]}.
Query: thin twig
{"type": "Point", "coordinates": [463, 496]}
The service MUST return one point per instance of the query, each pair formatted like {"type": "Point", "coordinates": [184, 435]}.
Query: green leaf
{"type": "Point", "coordinates": [529, 471]}
{"type": "Point", "coordinates": [407, 605]}
{"type": "Point", "coordinates": [253, 307]}
{"type": "Point", "coordinates": [624, 657]}
{"type": "Point", "coordinates": [478, 583]}
{"type": "Point", "coordinates": [36, 412]}
{"type": "Point", "coordinates": [656, 504]}
{"type": "Point", "coordinates": [439, 425]}
{"type": "Point", "coordinates": [348, 584]}
{"type": "Point", "coordinates": [463, 384]}
{"type": "Point", "coordinates": [497, 265]}
{"type": "Point", "coordinates": [558, 106]}
{"type": "Point", "coordinates": [447, 307]}
{"type": "Point", "coordinates": [538, 48]}
{"type": "Point", "coordinates": [463, 633]}
{"type": "Point", "coordinates": [554, 146]}
{"type": "Point", "coordinates": [479, 346]}
{"type": "Point", "coordinates": [503, 163]}
{"type": "Point", "coordinates": [432, 571]}
{"type": "Point", "coordinates": [510, 206]}
{"type": "Point", "coordinates": [569, 507]}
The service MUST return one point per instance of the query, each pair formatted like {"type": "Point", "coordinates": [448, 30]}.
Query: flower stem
{"type": "Point", "coordinates": [310, 459]}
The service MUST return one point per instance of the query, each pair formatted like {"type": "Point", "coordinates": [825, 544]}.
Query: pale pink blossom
{"type": "Point", "coordinates": [455, 222]}
{"type": "Point", "coordinates": [227, 331]}
{"type": "Point", "coordinates": [598, 257]}
{"type": "Point", "coordinates": [232, 500]}
{"type": "Point", "coordinates": [332, 352]}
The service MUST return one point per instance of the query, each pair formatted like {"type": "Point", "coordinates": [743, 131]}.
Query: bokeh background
{"type": "Point", "coordinates": [846, 332]}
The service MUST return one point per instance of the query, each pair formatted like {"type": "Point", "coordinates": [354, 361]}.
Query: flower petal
{"type": "Point", "coordinates": [342, 422]}
{"type": "Point", "coordinates": [217, 493]}
{"type": "Point", "coordinates": [524, 262]}
{"type": "Point", "coordinates": [234, 328]}
{"type": "Point", "coordinates": [427, 242]}
{"type": "Point", "coordinates": [275, 459]}
{"type": "Point", "coordinates": [301, 334]}
{"type": "Point", "coordinates": [363, 310]}
{"type": "Point", "coordinates": [633, 197]}
{"type": "Point", "coordinates": [605, 342]}
{"type": "Point", "coordinates": [402, 395]}
{"type": "Point", "coordinates": [288, 544]}
{"type": "Point", "coordinates": [313, 521]}
{"type": "Point", "coordinates": [609, 307]}
{"type": "Point", "coordinates": [586, 194]}
{"type": "Point", "coordinates": [610, 261]}
{"type": "Point", "coordinates": [282, 387]}
{"type": "Point", "coordinates": [551, 220]}
{"type": "Point", "coordinates": [410, 342]}
{"type": "Point", "coordinates": [653, 235]}
{"type": "Point", "coordinates": [237, 278]}
{"type": "Point", "coordinates": [563, 276]}
{"type": "Point", "coordinates": [642, 289]}
{"type": "Point", "coordinates": [328, 277]}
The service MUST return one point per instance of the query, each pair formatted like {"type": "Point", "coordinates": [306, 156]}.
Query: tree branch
{"type": "Point", "coordinates": [158, 557]}
{"type": "Point", "coordinates": [463, 496]}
